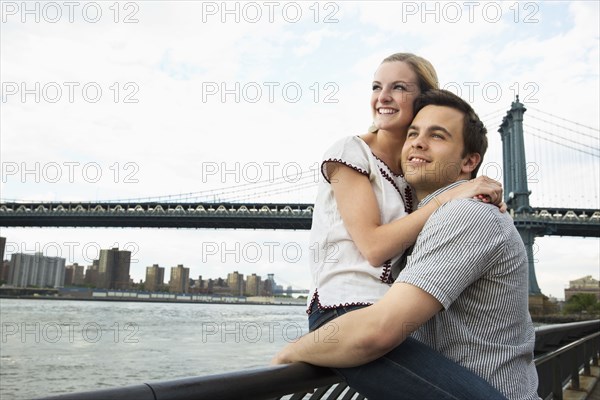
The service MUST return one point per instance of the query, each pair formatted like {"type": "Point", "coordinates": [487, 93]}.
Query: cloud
{"type": "Point", "coordinates": [187, 88]}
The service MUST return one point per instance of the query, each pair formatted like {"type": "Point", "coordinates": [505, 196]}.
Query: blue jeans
{"type": "Point", "coordinates": [410, 371]}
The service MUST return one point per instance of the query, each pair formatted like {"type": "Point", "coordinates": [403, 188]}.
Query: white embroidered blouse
{"type": "Point", "coordinates": [341, 275]}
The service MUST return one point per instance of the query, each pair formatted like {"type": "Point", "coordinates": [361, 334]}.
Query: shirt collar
{"type": "Point", "coordinates": [429, 197]}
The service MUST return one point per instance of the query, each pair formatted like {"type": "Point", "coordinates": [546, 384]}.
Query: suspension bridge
{"type": "Point", "coordinates": [558, 157]}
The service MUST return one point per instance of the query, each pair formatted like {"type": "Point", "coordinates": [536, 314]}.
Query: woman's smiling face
{"type": "Point", "coordinates": [395, 88]}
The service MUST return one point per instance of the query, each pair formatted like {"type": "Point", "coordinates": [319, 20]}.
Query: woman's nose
{"type": "Point", "coordinates": [385, 95]}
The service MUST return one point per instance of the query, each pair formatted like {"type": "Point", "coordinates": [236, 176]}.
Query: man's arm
{"type": "Point", "coordinates": [366, 334]}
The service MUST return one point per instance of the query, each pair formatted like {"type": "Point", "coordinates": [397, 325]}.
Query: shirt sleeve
{"type": "Point", "coordinates": [456, 247]}
{"type": "Point", "coordinates": [349, 152]}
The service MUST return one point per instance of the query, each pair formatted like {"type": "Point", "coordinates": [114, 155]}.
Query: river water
{"type": "Point", "coordinates": [50, 347]}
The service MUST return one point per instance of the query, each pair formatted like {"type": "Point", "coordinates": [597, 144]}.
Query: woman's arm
{"type": "Point", "coordinates": [360, 212]}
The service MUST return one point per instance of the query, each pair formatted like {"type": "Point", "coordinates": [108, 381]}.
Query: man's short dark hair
{"type": "Point", "coordinates": [474, 132]}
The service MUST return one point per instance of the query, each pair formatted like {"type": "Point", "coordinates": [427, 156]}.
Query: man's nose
{"type": "Point", "coordinates": [418, 142]}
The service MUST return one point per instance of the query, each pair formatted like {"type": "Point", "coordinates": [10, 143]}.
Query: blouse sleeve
{"type": "Point", "coordinates": [349, 152]}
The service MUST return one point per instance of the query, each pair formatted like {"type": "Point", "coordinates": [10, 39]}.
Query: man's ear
{"type": "Point", "coordinates": [470, 162]}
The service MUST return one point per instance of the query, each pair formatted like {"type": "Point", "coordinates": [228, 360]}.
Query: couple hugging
{"type": "Point", "coordinates": [428, 295]}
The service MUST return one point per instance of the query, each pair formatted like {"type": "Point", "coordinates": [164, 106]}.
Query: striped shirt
{"type": "Point", "coordinates": [470, 257]}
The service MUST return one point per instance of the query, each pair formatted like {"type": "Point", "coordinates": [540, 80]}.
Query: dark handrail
{"type": "Point", "coordinates": [255, 384]}
{"type": "Point", "coordinates": [567, 326]}
{"type": "Point", "coordinates": [557, 368]}
{"type": "Point", "coordinates": [554, 369]}
{"type": "Point", "coordinates": [551, 337]}
{"type": "Point", "coordinates": [553, 354]}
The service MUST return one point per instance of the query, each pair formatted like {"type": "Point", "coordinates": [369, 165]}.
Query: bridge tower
{"type": "Point", "coordinates": [516, 192]}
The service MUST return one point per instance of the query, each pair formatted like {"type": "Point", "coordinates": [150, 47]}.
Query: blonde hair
{"type": "Point", "coordinates": [426, 74]}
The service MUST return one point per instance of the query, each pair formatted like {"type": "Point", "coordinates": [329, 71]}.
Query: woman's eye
{"type": "Point", "coordinates": [375, 87]}
{"type": "Point", "coordinates": [400, 87]}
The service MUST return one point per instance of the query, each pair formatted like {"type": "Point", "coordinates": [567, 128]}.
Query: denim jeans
{"type": "Point", "coordinates": [410, 371]}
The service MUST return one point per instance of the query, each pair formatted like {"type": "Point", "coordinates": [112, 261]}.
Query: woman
{"type": "Point", "coordinates": [364, 218]}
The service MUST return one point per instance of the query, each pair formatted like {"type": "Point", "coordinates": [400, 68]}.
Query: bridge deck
{"type": "Point", "coordinates": [542, 221]}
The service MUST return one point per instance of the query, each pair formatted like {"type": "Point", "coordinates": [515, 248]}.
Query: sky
{"type": "Point", "coordinates": [213, 100]}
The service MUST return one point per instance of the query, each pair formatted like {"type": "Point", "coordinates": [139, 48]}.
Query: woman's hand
{"type": "Point", "coordinates": [482, 188]}
{"type": "Point", "coordinates": [482, 197]}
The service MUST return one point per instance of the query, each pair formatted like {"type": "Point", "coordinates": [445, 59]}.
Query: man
{"type": "Point", "coordinates": [463, 290]}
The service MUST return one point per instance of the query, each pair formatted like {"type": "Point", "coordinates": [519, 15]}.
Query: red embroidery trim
{"type": "Point", "coordinates": [337, 160]}
{"type": "Point", "coordinates": [388, 167]}
{"type": "Point", "coordinates": [390, 180]}
{"type": "Point", "coordinates": [407, 198]}
{"type": "Point", "coordinates": [386, 274]}
{"type": "Point", "coordinates": [322, 307]}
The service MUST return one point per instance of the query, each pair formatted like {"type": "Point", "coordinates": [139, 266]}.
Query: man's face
{"type": "Point", "coordinates": [432, 154]}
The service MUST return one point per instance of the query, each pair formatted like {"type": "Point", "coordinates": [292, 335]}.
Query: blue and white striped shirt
{"type": "Point", "coordinates": [470, 257]}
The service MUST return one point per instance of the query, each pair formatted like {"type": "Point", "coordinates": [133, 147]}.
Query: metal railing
{"type": "Point", "coordinates": [257, 384]}
{"type": "Point", "coordinates": [563, 365]}
{"type": "Point", "coordinates": [298, 381]}
{"type": "Point", "coordinates": [550, 337]}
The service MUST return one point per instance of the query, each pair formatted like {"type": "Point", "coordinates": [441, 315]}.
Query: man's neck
{"type": "Point", "coordinates": [427, 188]}
{"type": "Point", "coordinates": [424, 195]}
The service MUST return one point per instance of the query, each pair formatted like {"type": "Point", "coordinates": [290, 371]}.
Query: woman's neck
{"type": "Point", "coordinates": [387, 146]}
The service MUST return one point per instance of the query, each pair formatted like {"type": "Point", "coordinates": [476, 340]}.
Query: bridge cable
{"type": "Point", "coordinates": [234, 191]}
{"type": "Point", "coordinates": [219, 191]}
{"type": "Point", "coordinates": [564, 119]}
{"type": "Point", "coordinates": [562, 144]}
{"type": "Point", "coordinates": [560, 137]}
{"type": "Point", "coordinates": [564, 127]}
{"type": "Point", "coordinates": [305, 185]}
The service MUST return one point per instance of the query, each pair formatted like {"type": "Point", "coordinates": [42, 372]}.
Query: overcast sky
{"type": "Point", "coordinates": [106, 100]}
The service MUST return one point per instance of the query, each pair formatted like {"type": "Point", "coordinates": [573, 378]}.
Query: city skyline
{"type": "Point", "coordinates": [227, 280]}
{"type": "Point", "coordinates": [110, 270]}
